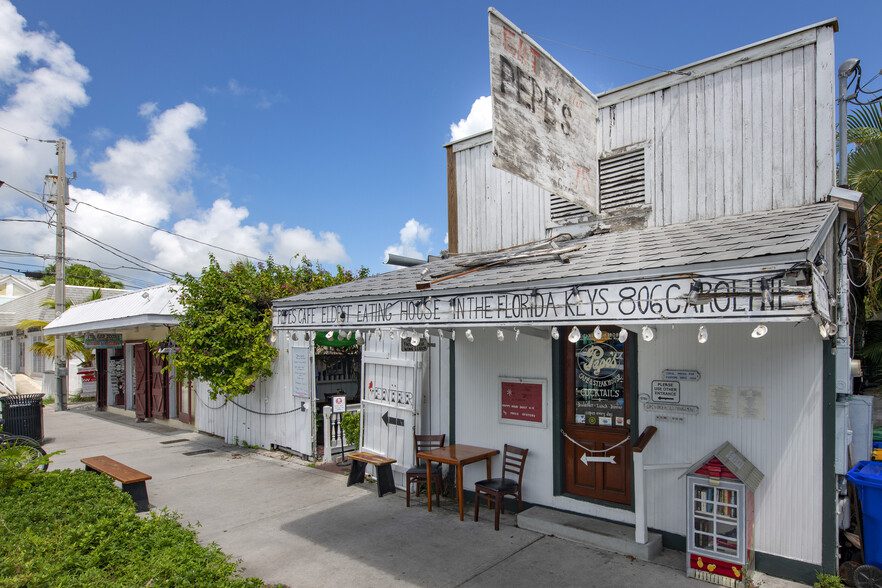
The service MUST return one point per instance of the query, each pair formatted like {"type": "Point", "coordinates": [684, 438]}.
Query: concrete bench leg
{"type": "Point", "coordinates": [385, 480]}
{"type": "Point", "coordinates": [138, 492]}
{"type": "Point", "coordinates": [356, 473]}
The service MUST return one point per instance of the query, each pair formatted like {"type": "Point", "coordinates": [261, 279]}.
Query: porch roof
{"type": "Point", "coordinates": [151, 306]}
{"type": "Point", "coordinates": [782, 236]}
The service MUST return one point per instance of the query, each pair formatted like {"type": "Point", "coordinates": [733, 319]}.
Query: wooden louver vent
{"type": "Point", "coordinates": [563, 210]}
{"type": "Point", "coordinates": [622, 180]}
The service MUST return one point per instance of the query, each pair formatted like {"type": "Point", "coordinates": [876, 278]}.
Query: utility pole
{"type": "Point", "coordinates": [60, 208]}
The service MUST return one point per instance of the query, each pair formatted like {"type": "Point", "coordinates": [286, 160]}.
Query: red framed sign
{"type": "Point", "coordinates": [522, 401]}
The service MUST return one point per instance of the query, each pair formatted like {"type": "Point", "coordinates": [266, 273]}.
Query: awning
{"type": "Point", "coordinates": [756, 266]}
{"type": "Point", "coordinates": [148, 307]}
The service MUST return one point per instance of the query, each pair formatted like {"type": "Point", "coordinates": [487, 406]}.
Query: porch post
{"type": "Point", "coordinates": [640, 531]}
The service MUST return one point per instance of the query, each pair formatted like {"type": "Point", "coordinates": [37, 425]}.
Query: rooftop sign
{"type": "Point", "coordinates": [544, 119]}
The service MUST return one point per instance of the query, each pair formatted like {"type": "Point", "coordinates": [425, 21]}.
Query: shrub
{"type": "Point", "coordinates": [75, 528]}
{"type": "Point", "coordinates": [351, 426]}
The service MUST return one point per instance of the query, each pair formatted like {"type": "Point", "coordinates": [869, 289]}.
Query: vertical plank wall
{"type": "Point", "coordinates": [785, 446]}
{"type": "Point", "coordinates": [754, 136]}
{"type": "Point", "coordinates": [496, 209]}
{"type": "Point", "coordinates": [739, 140]}
{"type": "Point", "coordinates": [786, 365]}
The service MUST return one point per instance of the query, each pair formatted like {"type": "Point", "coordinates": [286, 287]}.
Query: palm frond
{"type": "Point", "coordinates": [865, 171]}
{"type": "Point", "coordinates": [865, 124]}
{"type": "Point", "coordinates": [28, 324]}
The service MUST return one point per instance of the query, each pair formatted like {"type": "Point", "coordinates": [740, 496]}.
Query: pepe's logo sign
{"type": "Point", "coordinates": [599, 361]}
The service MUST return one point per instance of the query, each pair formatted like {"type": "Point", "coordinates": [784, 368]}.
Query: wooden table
{"type": "Point", "coordinates": [455, 455]}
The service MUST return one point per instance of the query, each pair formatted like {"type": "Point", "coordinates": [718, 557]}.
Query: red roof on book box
{"type": "Point", "coordinates": [727, 462]}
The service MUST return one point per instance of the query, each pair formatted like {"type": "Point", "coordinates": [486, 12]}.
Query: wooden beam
{"type": "Point", "coordinates": [452, 205]}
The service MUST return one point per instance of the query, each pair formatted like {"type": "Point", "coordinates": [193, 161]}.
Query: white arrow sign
{"type": "Point", "coordinates": [586, 459]}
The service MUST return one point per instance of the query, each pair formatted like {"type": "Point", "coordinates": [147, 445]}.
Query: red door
{"type": "Point", "coordinates": [597, 395]}
{"type": "Point", "coordinates": [184, 395]}
{"type": "Point", "coordinates": [158, 388]}
{"type": "Point", "coordinates": [142, 375]}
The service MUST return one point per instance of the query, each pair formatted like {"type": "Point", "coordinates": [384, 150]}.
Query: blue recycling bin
{"type": "Point", "coordinates": [867, 478]}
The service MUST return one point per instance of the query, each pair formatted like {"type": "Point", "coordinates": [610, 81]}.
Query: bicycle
{"type": "Point", "coordinates": [30, 449]}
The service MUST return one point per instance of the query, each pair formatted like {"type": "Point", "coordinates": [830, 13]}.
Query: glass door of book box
{"type": "Point", "coordinates": [716, 519]}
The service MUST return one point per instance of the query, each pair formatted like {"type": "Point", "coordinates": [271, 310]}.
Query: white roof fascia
{"type": "Point", "coordinates": [147, 320]}
{"type": "Point", "coordinates": [709, 65]}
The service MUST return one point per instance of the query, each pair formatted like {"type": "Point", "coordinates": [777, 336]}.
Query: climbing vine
{"type": "Point", "coordinates": [223, 337]}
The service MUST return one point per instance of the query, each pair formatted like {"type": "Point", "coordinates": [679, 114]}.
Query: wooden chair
{"type": "Point", "coordinates": [417, 473]}
{"type": "Point", "coordinates": [513, 459]}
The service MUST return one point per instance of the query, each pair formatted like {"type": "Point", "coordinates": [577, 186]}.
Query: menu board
{"type": "Point", "coordinates": [521, 400]}
{"type": "Point", "coordinates": [600, 382]}
{"type": "Point", "coordinates": [300, 371]}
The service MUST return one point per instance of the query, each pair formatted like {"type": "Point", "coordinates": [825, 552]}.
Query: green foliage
{"type": "Point", "coordinates": [75, 528]}
{"type": "Point", "coordinates": [17, 463]}
{"type": "Point", "coordinates": [78, 274]}
{"type": "Point", "coordinates": [351, 426]}
{"type": "Point", "coordinates": [224, 331]}
{"type": "Point", "coordinates": [827, 581]}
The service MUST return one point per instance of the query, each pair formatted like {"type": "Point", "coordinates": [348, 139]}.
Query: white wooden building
{"type": "Point", "coordinates": [698, 291]}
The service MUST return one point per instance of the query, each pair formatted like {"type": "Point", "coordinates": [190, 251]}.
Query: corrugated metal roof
{"type": "Point", "coordinates": [755, 238]}
{"type": "Point", "coordinates": [30, 306]}
{"type": "Point", "coordinates": [150, 306]}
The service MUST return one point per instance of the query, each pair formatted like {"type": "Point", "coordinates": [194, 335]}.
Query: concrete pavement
{"type": "Point", "coordinates": [296, 525]}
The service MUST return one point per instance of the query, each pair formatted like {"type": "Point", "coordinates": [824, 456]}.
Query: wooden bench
{"type": "Point", "coordinates": [360, 461]}
{"type": "Point", "coordinates": [133, 481]}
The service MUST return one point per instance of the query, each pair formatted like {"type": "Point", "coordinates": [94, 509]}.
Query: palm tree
{"type": "Point", "coordinates": [73, 346]}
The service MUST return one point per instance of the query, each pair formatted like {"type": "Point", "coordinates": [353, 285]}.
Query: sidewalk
{"type": "Point", "coordinates": [297, 525]}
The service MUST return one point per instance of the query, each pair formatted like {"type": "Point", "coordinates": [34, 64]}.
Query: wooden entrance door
{"type": "Point", "coordinates": [142, 376]}
{"type": "Point", "coordinates": [184, 395]}
{"type": "Point", "coordinates": [597, 400]}
{"type": "Point", "coordinates": [158, 388]}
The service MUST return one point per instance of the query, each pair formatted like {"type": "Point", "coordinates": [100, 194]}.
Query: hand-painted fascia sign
{"type": "Point", "coordinates": [622, 303]}
{"type": "Point", "coordinates": [103, 340]}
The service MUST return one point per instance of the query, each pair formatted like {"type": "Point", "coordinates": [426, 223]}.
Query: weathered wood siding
{"type": "Point", "coordinates": [496, 209]}
{"type": "Point", "coordinates": [739, 140]}
{"type": "Point", "coordinates": [749, 131]}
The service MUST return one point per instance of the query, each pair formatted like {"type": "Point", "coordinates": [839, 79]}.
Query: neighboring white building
{"type": "Point", "coordinates": [16, 355]}
{"type": "Point", "coordinates": [12, 287]}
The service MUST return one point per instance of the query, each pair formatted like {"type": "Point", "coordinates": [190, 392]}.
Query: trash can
{"type": "Point", "coordinates": [23, 415]}
{"type": "Point", "coordinates": [867, 478]}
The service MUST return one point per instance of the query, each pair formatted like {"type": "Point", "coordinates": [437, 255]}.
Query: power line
{"type": "Point", "coordinates": [142, 264]}
{"type": "Point", "coordinates": [26, 137]}
{"type": "Point", "coordinates": [612, 57]}
{"type": "Point", "coordinates": [166, 230]}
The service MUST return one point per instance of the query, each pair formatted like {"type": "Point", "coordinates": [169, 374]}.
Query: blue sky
{"type": "Point", "coordinates": [332, 117]}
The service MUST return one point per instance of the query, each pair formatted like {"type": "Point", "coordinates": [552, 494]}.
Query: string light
{"type": "Point", "coordinates": [598, 334]}
{"type": "Point", "coordinates": [517, 333]}
{"type": "Point", "coordinates": [402, 334]}
{"type": "Point", "coordinates": [759, 331]}
{"type": "Point", "coordinates": [648, 333]}
{"type": "Point", "coordinates": [555, 334]}
{"type": "Point", "coordinates": [426, 334]}
{"type": "Point", "coordinates": [623, 335]}
{"type": "Point", "coordinates": [392, 334]}
{"type": "Point", "coordinates": [453, 335]}
{"type": "Point", "coordinates": [329, 335]}
{"type": "Point", "coordinates": [469, 336]}
{"type": "Point", "coordinates": [295, 336]}
{"type": "Point", "coordinates": [694, 291]}
{"type": "Point", "coordinates": [414, 340]}
{"type": "Point", "coordinates": [702, 334]}
{"type": "Point", "coordinates": [574, 335]}
{"type": "Point", "coordinates": [359, 338]}
{"type": "Point", "coordinates": [273, 337]}
{"type": "Point", "coordinates": [307, 336]}
{"type": "Point", "coordinates": [500, 336]}
{"type": "Point", "coordinates": [767, 293]}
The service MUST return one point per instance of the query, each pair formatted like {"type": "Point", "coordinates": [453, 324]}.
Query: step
{"type": "Point", "coordinates": [589, 531]}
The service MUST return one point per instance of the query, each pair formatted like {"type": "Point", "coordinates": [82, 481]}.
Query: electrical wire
{"type": "Point", "coordinates": [612, 57]}
{"type": "Point", "coordinates": [154, 227]}
{"type": "Point", "coordinates": [26, 137]}
{"type": "Point", "coordinates": [142, 264]}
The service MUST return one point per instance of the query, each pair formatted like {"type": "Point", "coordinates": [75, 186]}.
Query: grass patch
{"type": "Point", "coordinates": [75, 528]}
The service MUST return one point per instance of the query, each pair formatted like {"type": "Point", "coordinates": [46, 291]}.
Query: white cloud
{"type": "Point", "coordinates": [148, 109]}
{"type": "Point", "coordinates": [480, 119]}
{"type": "Point", "coordinates": [147, 179]}
{"type": "Point", "coordinates": [262, 99]}
{"type": "Point", "coordinates": [43, 84]}
{"type": "Point", "coordinates": [413, 240]}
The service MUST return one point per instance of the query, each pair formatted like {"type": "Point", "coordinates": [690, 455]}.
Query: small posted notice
{"type": "Point", "coordinates": [751, 404]}
{"type": "Point", "coordinates": [720, 399]}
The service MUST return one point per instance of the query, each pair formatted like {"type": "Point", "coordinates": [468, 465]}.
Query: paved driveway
{"type": "Point", "coordinates": [299, 526]}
